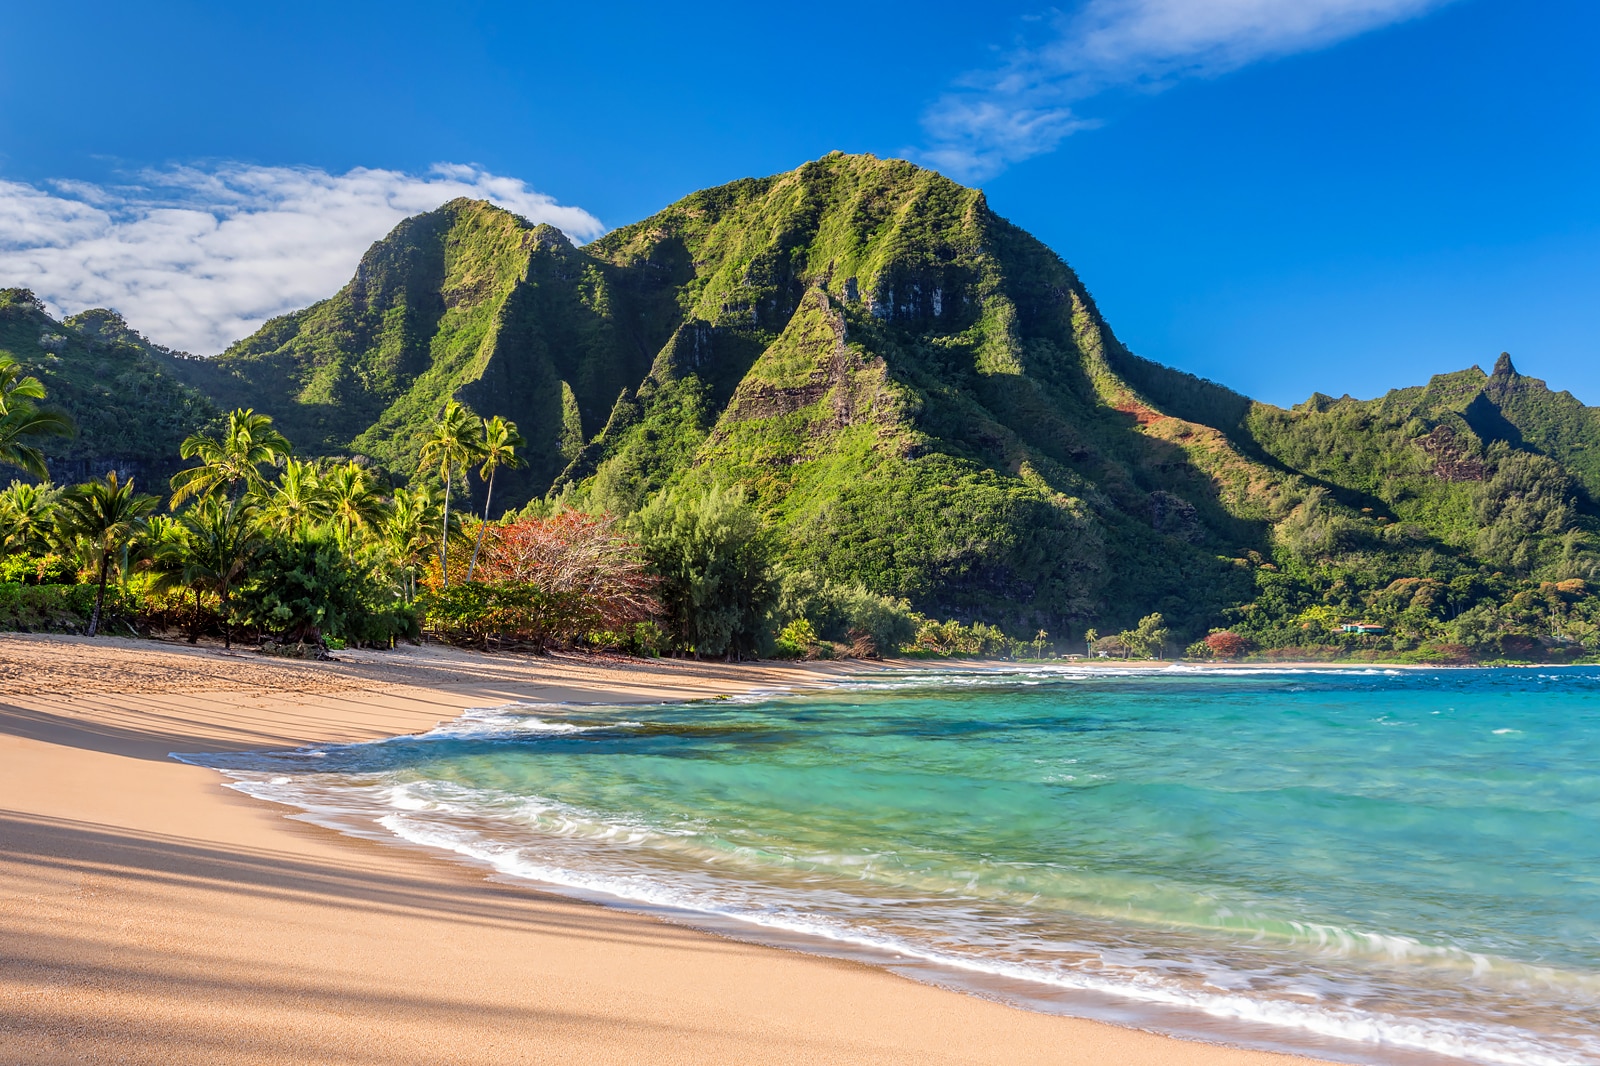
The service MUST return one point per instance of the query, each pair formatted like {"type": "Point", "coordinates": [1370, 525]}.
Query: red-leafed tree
{"type": "Point", "coordinates": [1227, 645]}
{"type": "Point", "coordinates": [548, 581]}
{"type": "Point", "coordinates": [577, 554]}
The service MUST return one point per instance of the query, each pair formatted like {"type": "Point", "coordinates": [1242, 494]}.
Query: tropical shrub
{"type": "Point", "coordinates": [50, 569]}
{"type": "Point", "coordinates": [798, 640]}
{"type": "Point", "coordinates": [953, 638]}
{"type": "Point", "coordinates": [1225, 644]}
{"type": "Point", "coordinates": [576, 554]}
{"type": "Point", "coordinates": [59, 607]}
{"type": "Point", "coordinates": [642, 638]}
{"type": "Point", "coordinates": [714, 557]}
{"type": "Point", "coordinates": [302, 588]}
{"type": "Point", "coordinates": [546, 581]}
{"type": "Point", "coordinates": [846, 613]}
{"type": "Point", "coordinates": [476, 612]}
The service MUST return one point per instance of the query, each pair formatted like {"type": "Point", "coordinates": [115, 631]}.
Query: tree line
{"type": "Point", "coordinates": [302, 555]}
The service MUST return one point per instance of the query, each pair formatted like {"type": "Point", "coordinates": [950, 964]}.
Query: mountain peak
{"type": "Point", "coordinates": [1503, 367]}
{"type": "Point", "coordinates": [920, 397]}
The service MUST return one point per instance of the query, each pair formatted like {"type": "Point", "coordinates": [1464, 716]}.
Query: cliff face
{"type": "Point", "coordinates": [921, 397]}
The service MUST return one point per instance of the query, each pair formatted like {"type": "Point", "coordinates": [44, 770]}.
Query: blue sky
{"type": "Point", "coordinates": [1282, 195]}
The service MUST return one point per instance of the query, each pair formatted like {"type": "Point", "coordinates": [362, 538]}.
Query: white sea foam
{"type": "Point", "coordinates": [1485, 1043]}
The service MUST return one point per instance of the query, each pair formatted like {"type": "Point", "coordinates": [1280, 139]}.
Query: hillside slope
{"type": "Point", "coordinates": [131, 409]}
{"type": "Point", "coordinates": [467, 301]}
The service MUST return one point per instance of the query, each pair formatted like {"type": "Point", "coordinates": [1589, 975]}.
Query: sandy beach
{"type": "Point", "coordinates": [150, 915]}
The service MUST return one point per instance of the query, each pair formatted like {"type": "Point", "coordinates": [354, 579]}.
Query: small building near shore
{"type": "Point", "coordinates": [1363, 629]}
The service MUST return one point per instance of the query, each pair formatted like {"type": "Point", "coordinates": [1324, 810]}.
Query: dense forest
{"type": "Point", "coordinates": [849, 397]}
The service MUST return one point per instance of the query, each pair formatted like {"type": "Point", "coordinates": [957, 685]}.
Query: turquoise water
{"type": "Point", "coordinates": [1378, 865]}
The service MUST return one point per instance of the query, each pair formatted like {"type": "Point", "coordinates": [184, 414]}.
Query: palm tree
{"type": "Point", "coordinates": [19, 418]}
{"type": "Point", "coordinates": [454, 443]}
{"type": "Point", "coordinates": [405, 533]}
{"type": "Point", "coordinates": [233, 462]}
{"type": "Point", "coordinates": [108, 515]}
{"type": "Point", "coordinates": [223, 537]}
{"type": "Point", "coordinates": [351, 502]}
{"type": "Point", "coordinates": [166, 552]}
{"type": "Point", "coordinates": [497, 447]}
{"type": "Point", "coordinates": [26, 521]}
{"type": "Point", "coordinates": [296, 500]}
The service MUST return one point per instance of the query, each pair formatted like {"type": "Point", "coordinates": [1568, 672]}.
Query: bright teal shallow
{"type": "Point", "coordinates": [1389, 862]}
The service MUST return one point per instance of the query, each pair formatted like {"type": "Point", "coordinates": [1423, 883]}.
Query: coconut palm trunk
{"type": "Point", "coordinates": [444, 535]}
{"type": "Point", "coordinates": [100, 593]}
{"type": "Point", "coordinates": [497, 447]}
{"type": "Point", "coordinates": [107, 513]}
{"type": "Point", "coordinates": [452, 444]}
{"type": "Point", "coordinates": [488, 497]}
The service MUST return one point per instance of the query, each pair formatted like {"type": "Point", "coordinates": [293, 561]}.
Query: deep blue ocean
{"type": "Point", "coordinates": [1384, 866]}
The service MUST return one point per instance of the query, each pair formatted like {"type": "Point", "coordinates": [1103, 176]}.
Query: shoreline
{"type": "Point", "coordinates": [152, 914]}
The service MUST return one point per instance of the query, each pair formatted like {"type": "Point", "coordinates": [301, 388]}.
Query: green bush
{"type": "Point", "coordinates": [302, 589]}
{"type": "Point", "coordinates": [846, 613]}
{"type": "Point", "coordinates": [58, 607]}
{"type": "Point", "coordinates": [30, 569]}
{"type": "Point", "coordinates": [475, 612]}
{"type": "Point", "coordinates": [714, 557]}
{"type": "Point", "coordinates": [797, 640]}
{"type": "Point", "coordinates": [641, 638]}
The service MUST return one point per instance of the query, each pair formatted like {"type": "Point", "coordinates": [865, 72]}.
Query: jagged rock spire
{"type": "Point", "coordinates": [1503, 367]}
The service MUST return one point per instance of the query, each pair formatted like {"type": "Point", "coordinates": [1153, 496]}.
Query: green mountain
{"type": "Point", "coordinates": [467, 301]}
{"type": "Point", "coordinates": [920, 395]}
{"type": "Point", "coordinates": [922, 398]}
{"type": "Point", "coordinates": [1486, 463]}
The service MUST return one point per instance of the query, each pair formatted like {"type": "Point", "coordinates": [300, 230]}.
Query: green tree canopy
{"type": "Point", "coordinates": [353, 502]}
{"type": "Point", "coordinates": [296, 499]}
{"type": "Point", "coordinates": [27, 516]}
{"type": "Point", "coordinates": [714, 556]}
{"type": "Point", "coordinates": [233, 461]}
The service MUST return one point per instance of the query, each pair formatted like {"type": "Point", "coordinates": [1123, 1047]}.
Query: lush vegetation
{"type": "Point", "coordinates": [805, 414]}
{"type": "Point", "coordinates": [303, 555]}
{"type": "Point", "coordinates": [129, 407]}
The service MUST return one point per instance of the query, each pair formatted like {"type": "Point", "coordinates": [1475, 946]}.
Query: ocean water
{"type": "Point", "coordinates": [1378, 866]}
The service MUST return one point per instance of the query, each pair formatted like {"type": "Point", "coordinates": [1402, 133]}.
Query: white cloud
{"type": "Point", "coordinates": [1024, 106]}
{"type": "Point", "coordinates": [196, 257]}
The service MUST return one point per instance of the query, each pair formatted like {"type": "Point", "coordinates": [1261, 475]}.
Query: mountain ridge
{"type": "Point", "coordinates": [919, 396]}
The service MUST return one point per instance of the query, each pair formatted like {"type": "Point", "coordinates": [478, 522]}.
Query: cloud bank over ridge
{"type": "Point", "coordinates": [198, 257]}
{"type": "Point", "coordinates": [1025, 105]}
